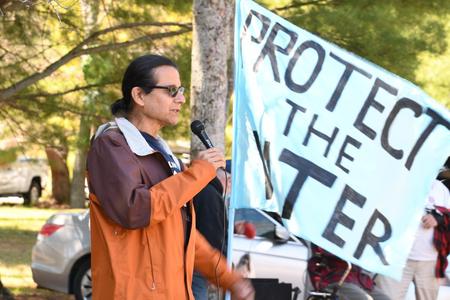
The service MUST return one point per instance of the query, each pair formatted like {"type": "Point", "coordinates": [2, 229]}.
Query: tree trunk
{"type": "Point", "coordinates": [230, 51]}
{"type": "Point", "coordinates": [209, 77]}
{"type": "Point", "coordinates": [77, 195]}
{"type": "Point", "coordinates": [60, 174]}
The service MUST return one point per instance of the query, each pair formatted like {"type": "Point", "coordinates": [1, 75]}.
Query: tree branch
{"type": "Point", "coordinates": [295, 4]}
{"type": "Point", "coordinates": [48, 95]}
{"type": "Point", "coordinates": [95, 35]}
{"type": "Point", "coordinates": [80, 50]}
{"type": "Point", "coordinates": [26, 111]}
{"type": "Point", "coordinates": [17, 129]}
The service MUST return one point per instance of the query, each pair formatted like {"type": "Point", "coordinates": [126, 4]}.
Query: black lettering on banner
{"type": "Point", "coordinates": [342, 153]}
{"type": "Point", "coordinates": [370, 101]}
{"type": "Point", "coordinates": [301, 88]}
{"type": "Point", "coordinates": [339, 217]}
{"type": "Point", "coordinates": [401, 104]}
{"type": "Point", "coordinates": [295, 108]}
{"type": "Point", "coordinates": [265, 26]}
{"type": "Point", "coordinates": [268, 187]}
{"type": "Point", "coordinates": [349, 68]}
{"type": "Point", "coordinates": [436, 119]}
{"type": "Point", "coordinates": [265, 162]}
{"type": "Point", "coordinates": [305, 169]}
{"type": "Point", "coordinates": [312, 130]}
{"type": "Point", "coordinates": [368, 238]}
{"type": "Point", "coordinates": [270, 48]}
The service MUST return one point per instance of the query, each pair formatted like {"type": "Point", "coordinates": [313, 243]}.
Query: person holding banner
{"type": "Point", "coordinates": [144, 244]}
{"type": "Point", "coordinates": [444, 174]}
{"type": "Point", "coordinates": [325, 270]}
{"type": "Point", "coordinates": [428, 257]}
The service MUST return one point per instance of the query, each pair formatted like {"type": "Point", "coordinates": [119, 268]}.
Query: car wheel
{"type": "Point", "coordinates": [82, 282]}
{"type": "Point", "coordinates": [32, 197]}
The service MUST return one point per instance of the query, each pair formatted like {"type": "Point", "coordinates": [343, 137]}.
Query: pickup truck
{"type": "Point", "coordinates": [24, 177]}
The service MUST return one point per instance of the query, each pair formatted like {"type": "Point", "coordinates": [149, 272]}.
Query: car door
{"type": "Point", "coordinates": [265, 256]}
{"type": "Point", "coordinates": [9, 174]}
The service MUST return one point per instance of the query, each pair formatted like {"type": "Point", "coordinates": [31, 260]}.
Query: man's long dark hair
{"type": "Point", "coordinates": [138, 74]}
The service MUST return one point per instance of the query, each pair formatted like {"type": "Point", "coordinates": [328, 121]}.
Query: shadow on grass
{"type": "Point", "coordinates": [18, 231]}
{"type": "Point", "coordinates": [16, 246]}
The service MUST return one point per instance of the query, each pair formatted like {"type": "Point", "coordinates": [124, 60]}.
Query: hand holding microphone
{"type": "Point", "coordinates": [214, 156]}
{"type": "Point", "coordinates": [211, 154]}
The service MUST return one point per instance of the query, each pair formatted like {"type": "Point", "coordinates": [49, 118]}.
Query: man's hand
{"type": "Point", "coordinates": [214, 156]}
{"type": "Point", "coordinates": [242, 290]}
{"type": "Point", "coordinates": [428, 221]}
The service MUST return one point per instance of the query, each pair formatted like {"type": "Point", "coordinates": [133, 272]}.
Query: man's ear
{"type": "Point", "coordinates": [138, 96]}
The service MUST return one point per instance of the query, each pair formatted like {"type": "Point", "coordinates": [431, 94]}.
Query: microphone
{"type": "Point", "coordinates": [198, 129]}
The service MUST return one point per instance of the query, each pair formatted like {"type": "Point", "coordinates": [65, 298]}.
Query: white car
{"type": "Point", "coordinates": [25, 177]}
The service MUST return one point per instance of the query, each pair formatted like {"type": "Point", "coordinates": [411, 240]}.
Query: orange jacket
{"type": "Point", "coordinates": [138, 228]}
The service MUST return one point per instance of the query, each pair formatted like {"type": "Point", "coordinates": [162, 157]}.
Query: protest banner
{"type": "Point", "coordinates": [344, 150]}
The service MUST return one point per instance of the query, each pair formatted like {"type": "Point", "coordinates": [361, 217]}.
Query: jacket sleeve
{"type": "Point", "coordinates": [212, 264]}
{"type": "Point", "coordinates": [172, 193]}
{"type": "Point", "coordinates": [115, 178]}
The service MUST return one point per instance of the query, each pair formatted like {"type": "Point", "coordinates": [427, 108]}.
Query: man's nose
{"type": "Point", "coordinates": [180, 98]}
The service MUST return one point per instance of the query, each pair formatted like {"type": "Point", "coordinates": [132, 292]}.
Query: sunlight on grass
{"type": "Point", "coordinates": [17, 277]}
{"type": "Point", "coordinates": [18, 230]}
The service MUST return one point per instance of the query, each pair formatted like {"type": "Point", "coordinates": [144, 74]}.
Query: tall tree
{"type": "Point", "coordinates": [52, 57]}
{"type": "Point", "coordinates": [209, 70]}
{"type": "Point", "coordinates": [60, 174]}
{"type": "Point", "coordinates": [89, 10]}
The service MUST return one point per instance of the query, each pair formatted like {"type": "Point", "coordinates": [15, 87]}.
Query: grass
{"type": "Point", "coordinates": [18, 230]}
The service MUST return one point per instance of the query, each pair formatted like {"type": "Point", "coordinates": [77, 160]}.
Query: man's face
{"type": "Point", "coordinates": [160, 107]}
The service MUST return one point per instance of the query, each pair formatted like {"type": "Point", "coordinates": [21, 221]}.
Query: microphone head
{"type": "Point", "coordinates": [197, 127]}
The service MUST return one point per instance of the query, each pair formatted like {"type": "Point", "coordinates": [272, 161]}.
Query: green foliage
{"type": "Point", "coordinates": [102, 68]}
{"type": "Point", "coordinates": [35, 37]}
{"type": "Point", "coordinates": [8, 156]}
{"type": "Point", "coordinates": [173, 5]}
{"type": "Point", "coordinates": [409, 38]}
{"type": "Point", "coordinates": [402, 36]}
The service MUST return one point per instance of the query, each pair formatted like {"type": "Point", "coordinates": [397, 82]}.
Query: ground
{"type": "Point", "coordinates": [18, 230]}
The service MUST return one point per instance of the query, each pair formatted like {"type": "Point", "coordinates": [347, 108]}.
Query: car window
{"type": "Point", "coordinates": [264, 227]}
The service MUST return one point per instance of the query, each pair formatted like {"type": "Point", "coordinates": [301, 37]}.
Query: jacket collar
{"type": "Point", "coordinates": [137, 142]}
{"type": "Point", "coordinates": [134, 138]}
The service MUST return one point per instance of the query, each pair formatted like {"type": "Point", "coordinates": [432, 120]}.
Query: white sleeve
{"type": "Point", "coordinates": [439, 195]}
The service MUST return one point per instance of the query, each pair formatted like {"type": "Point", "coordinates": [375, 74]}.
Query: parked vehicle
{"type": "Point", "coordinates": [61, 255]}
{"type": "Point", "coordinates": [25, 177]}
{"type": "Point", "coordinates": [60, 259]}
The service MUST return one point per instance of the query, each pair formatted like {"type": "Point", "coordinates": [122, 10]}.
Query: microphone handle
{"type": "Point", "coordinates": [205, 139]}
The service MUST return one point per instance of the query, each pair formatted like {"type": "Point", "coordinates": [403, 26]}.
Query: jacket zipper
{"type": "Point", "coordinates": [151, 261]}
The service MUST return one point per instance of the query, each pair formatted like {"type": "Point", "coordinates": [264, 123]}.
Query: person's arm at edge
{"type": "Point", "coordinates": [210, 262]}
{"type": "Point", "coordinates": [207, 259]}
